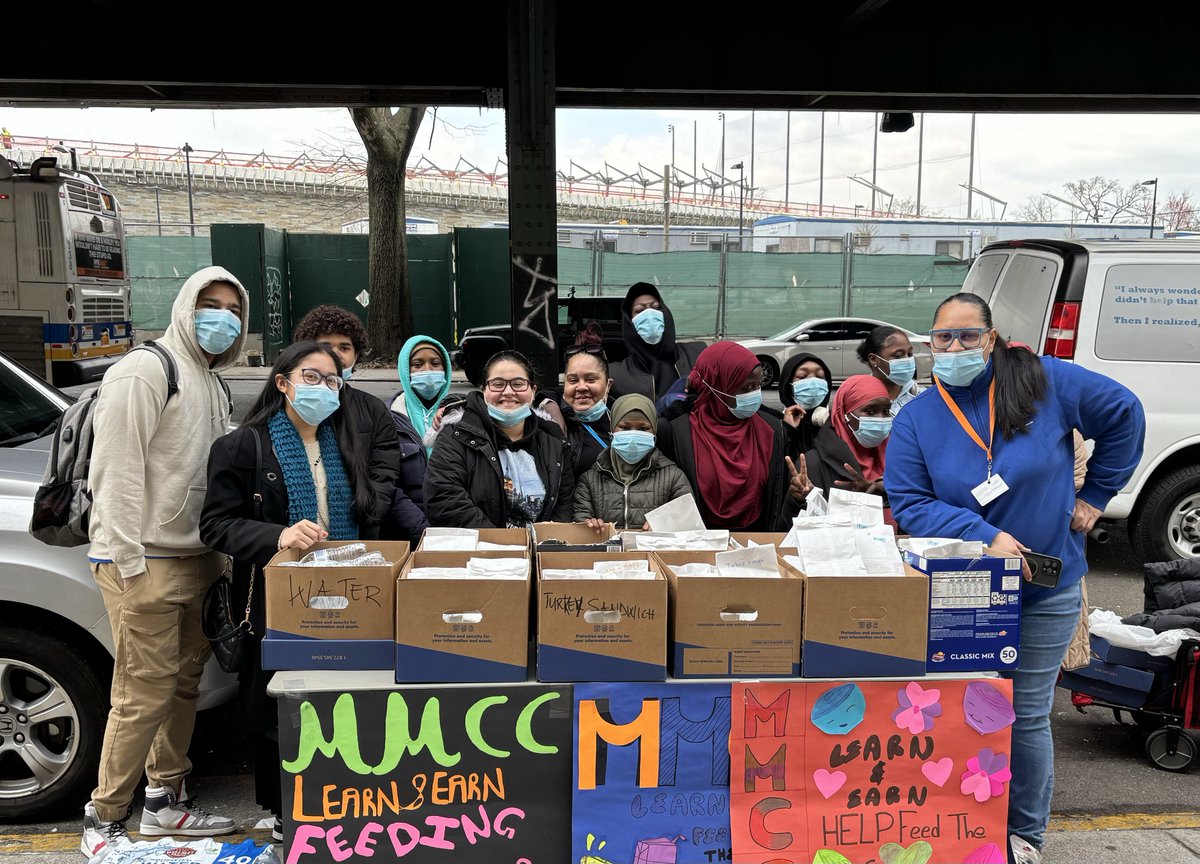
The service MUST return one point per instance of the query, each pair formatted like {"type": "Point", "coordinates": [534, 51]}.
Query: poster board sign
{"type": "Point", "coordinates": [651, 775]}
{"type": "Point", "coordinates": [851, 773]}
{"type": "Point", "coordinates": [449, 775]}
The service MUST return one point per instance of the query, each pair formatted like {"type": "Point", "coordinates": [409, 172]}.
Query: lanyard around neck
{"type": "Point", "coordinates": [962, 420]}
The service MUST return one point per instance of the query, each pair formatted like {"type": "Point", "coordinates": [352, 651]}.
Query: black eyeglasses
{"type": "Point", "coordinates": [518, 385]}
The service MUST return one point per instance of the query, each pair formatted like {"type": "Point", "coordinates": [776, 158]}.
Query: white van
{"type": "Point", "coordinates": [1130, 310]}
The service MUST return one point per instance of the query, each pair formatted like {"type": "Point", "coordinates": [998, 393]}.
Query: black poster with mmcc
{"type": "Point", "coordinates": [430, 776]}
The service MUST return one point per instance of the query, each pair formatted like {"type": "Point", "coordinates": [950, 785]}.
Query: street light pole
{"type": "Point", "coordinates": [187, 157]}
{"type": "Point", "coordinates": [741, 199]}
{"type": "Point", "coordinates": [1153, 203]}
{"type": "Point", "coordinates": [721, 114]}
{"type": "Point", "coordinates": [158, 210]}
{"type": "Point", "coordinates": [671, 129]}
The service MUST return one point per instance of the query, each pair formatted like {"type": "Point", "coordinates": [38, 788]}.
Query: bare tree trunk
{"type": "Point", "coordinates": [388, 138]}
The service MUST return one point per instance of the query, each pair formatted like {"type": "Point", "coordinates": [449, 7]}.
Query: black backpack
{"type": "Point", "coordinates": [62, 504]}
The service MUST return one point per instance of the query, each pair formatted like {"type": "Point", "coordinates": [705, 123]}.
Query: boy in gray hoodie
{"type": "Point", "coordinates": [148, 479]}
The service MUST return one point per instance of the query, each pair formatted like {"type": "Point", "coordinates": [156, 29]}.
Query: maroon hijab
{"type": "Point", "coordinates": [733, 456]}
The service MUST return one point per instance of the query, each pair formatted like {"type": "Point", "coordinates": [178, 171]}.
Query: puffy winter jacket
{"type": "Point", "coordinates": [1172, 596]}
{"type": "Point", "coordinates": [601, 495]}
{"type": "Point", "coordinates": [406, 519]}
{"type": "Point", "coordinates": [464, 483]}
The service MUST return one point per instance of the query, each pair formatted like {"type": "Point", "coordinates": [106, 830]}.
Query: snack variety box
{"type": "Point", "coordinates": [461, 629]}
{"type": "Point", "coordinates": [974, 612]}
{"type": "Point", "coordinates": [733, 626]}
{"type": "Point", "coordinates": [331, 617]}
{"type": "Point", "coordinates": [601, 629]}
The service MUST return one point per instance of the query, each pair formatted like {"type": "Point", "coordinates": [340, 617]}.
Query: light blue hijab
{"type": "Point", "coordinates": [420, 416]}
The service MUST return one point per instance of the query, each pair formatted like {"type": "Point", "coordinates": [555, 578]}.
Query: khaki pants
{"type": "Point", "coordinates": [160, 656]}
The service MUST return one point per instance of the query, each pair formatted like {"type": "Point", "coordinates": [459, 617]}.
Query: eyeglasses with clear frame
{"type": "Point", "coordinates": [967, 337]}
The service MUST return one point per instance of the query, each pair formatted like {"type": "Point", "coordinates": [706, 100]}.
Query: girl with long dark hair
{"type": "Point", "coordinates": [315, 486]}
{"type": "Point", "coordinates": [987, 454]}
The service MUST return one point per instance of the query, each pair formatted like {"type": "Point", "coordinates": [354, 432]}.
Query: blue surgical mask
{"type": "Point", "coordinates": [810, 392]}
{"type": "Point", "coordinates": [591, 415]}
{"type": "Point", "coordinates": [650, 325]}
{"type": "Point", "coordinates": [428, 384]}
{"type": "Point", "coordinates": [902, 370]}
{"type": "Point", "coordinates": [632, 446]}
{"type": "Point", "coordinates": [217, 329]}
{"type": "Point", "coordinates": [508, 418]}
{"type": "Point", "coordinates": [747, 404]}
{"type": "Point", "coordinates": [872, 431]}
{"type": "Point", "coordinates": [314, 403]}
{"type": "Point", "coordinates": [347, 372]}
{"type": "Point", "coordinates": [958, 368]}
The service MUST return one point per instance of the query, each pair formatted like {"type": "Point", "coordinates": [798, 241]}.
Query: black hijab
{"type": "Point", "coordinates": [804, 438]}
{"type": "Point", "coordinates": [657, 360]}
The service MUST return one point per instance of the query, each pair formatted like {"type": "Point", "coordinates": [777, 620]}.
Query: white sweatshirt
{"type": "Point", "coordinates": [150, 457]}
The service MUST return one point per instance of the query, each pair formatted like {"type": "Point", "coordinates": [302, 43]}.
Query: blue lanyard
{"type": "Point", "coordinates": [592, 432]}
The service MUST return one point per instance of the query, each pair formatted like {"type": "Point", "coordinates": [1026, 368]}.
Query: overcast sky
{"type": "Point", "coordinates": [1016, 155]}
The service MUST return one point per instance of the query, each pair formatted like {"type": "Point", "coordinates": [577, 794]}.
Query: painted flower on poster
{"type": "Point", "coordinates": [918, 708]}
{"type": "Point", "coordinates": [986, 775]}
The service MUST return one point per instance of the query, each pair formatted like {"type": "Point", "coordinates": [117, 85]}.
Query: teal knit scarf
{"type": "Point", "coordinates": [298, 479]}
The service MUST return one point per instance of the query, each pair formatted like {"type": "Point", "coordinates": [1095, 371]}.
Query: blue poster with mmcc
{"type": "Point", "coordinates": [651, 774]}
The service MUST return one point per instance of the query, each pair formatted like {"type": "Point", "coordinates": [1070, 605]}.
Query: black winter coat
{"type": "Point", "coordinates": [464, 484]}
{"type": "Point", "coordinates": [227, 524]}
{"type": "Point", "coordinates": [406, 518]}
{"type": "Point", "coordinates": [599, 494]}
{"type": "Point", "coordinates": [377, 438]}
{"type": "Point", "coordinates": [778, 510]}
{"type": "Point", "coordinates": [1172, 596]}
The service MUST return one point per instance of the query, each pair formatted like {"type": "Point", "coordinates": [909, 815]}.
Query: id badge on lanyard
{"type": "Point", "coordinates": [994, 486]}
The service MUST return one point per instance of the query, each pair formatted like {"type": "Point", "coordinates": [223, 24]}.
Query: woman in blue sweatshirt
{"type": "Point", "coordinates": [1007, 416]}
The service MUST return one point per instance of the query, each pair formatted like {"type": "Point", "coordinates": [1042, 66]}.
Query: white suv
{"type": "Point", "coordinates": [1130, 310]}
{"type": "Point", "coordinates": [55, 640]}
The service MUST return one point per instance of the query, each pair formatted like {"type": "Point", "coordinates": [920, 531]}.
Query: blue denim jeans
{"type": "Point", "coordinates": [1048, 620]}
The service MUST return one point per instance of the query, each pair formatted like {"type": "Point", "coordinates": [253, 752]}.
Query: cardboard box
{"type": "Point", "coordinates": [601, 629]}
{"type": "Point", "coordinates": [574, 537]}
{"type": "Point", "coordinates": [866, 626]}
{"type": "Point", "coordinates": [502, 536]}
{"type": "Point", "coordinates": [331, 617]}
{"type": "Point", "coordinates": [451, 630]}
{"type": "Point", "coordinates": [1102, 690]}
{"type": "Point", "coordinates": [1141, 680]}
{"type": "Point", "coordinates": [974, 612]}
{"type": "Point", "coordinates": [735, 626]}
{"type": "Point", "coordinates": [1104, 650]}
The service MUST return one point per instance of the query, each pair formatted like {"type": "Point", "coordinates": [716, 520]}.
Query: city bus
{"type": "Point", "coordinates": [64, 292]}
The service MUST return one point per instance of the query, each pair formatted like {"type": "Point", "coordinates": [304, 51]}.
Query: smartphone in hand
{"type": "Point", "coordinates": [1045, 569]}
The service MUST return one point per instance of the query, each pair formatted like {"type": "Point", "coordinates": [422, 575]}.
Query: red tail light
{"type": "Point", "coordinates": [1062, 332]}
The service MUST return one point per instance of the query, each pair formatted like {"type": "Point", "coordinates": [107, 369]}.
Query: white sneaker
{"type": "Point", "coordinates": [99, 835]}
{"type": "Point", "coordinates": [166, 816]}
{"type": "Point", "coordinates": [1024, 852]}
{"type": "Point", "coordinates": [277, 830]}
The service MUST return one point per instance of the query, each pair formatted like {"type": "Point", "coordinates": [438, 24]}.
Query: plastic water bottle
{"type": "Point", "coordinates": [334, 555]}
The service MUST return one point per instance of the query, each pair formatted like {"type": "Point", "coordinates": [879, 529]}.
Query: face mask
{"type": "Point", "coordinates": [591, 415]}
{"type": "Point", "coordinates": [958, 368]}
{"type": "Point", "coordinates": [872, 431]}
{"type": "Point", "coordinates": [902, 370]}
{"type": "Point", "coordinates": [347, 372]}
{"type": "Point", "coordinates": [649, 324]}
{"type": "Point", "coordinates": [428, 384]}
{"type": "Point", "coordinates": [632, 446]}
{"type": "Point", "coordinates": [508, 418]}
{"type": "Point", "coordinates": [810, 392]}
{"type": "Point", "coordinates": [217, 329]}
{"type": "Point", "coordinates": [747, 404]}
{"type": "Point", "coordinates": [314, 403]}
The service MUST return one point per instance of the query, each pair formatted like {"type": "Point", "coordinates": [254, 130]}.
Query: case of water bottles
{"type": "Point", "coordinates": [332, 606]}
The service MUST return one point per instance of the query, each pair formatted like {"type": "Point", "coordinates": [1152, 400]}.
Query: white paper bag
{"type": "Point", "coordinates": [451, 539]}
{"type": "Point", "coordinates": [756, 561]}
{"type": "Point", "coordinates": [678, 515]}
{"type": "Point", "coordinates": [864, 508]}
{"type": "Point", "coordinates": [880, 554]}
{"type": "Point", "coordinates": [704, 540]}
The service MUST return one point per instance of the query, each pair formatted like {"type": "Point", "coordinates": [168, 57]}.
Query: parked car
{"type": "Point", "coordinates": [56, 644]}
{"type": "Point", "coordinates": [480, 343]}
{"type": "Point", "coordinates": [834, 340]}
{"type": "Point", "coordinates": [1129, 309]}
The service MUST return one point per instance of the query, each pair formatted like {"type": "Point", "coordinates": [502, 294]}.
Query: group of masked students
{"type": "Point", "coordinates": [317, 459]}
